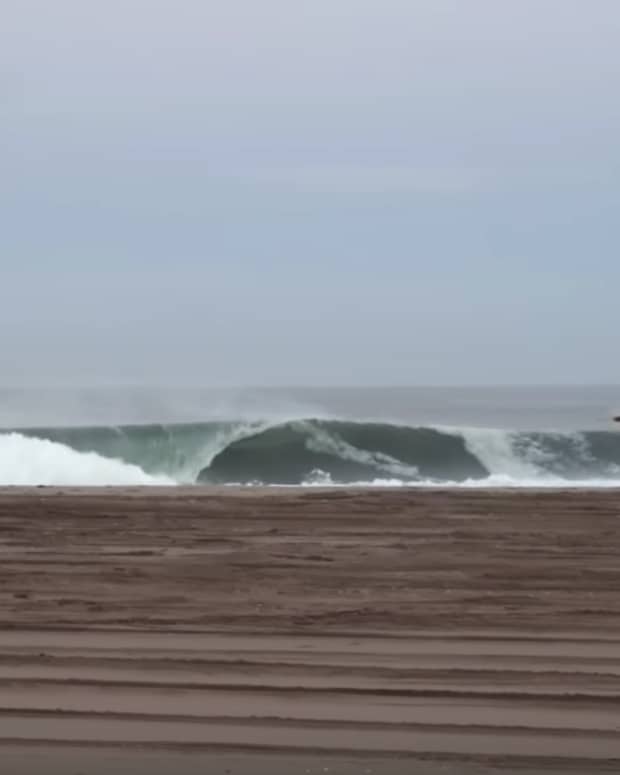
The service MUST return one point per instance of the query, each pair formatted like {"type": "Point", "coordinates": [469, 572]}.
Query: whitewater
{"type": "Point", "coordinates": [519, 437]}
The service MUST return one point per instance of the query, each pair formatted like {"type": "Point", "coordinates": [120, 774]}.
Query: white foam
{"type": "Point", "coordinates": [26, 461]}
{"type": "Point", "coordinates": [538, 482]}
{"type": "Point", "coordinates": [497, 481]}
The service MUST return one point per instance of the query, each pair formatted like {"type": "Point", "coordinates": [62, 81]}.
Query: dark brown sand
{"type": "Point", "coordinates": [286, 631]}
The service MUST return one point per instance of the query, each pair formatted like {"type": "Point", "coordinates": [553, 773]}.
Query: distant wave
{"type": "Point", "coordinates": [307, 452]}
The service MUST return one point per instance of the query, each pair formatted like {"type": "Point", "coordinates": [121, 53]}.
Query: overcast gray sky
{"type": "Point", "coordinates": [326, 191]}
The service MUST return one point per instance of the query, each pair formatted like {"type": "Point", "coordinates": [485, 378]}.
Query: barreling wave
{"type": "Point", "coordinates": [311, 451]}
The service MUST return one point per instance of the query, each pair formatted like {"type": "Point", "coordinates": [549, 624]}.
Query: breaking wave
{"type": "Point", "coordinates": [31, 461]}
{"type": "Point", "coordinates": [307, 452]}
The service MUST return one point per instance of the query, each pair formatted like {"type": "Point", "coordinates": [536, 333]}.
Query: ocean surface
{"type": "Point", "coordinates": [505, 436]}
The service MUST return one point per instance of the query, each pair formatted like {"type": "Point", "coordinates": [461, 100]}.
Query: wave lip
{"type": "Point", "coordinates": [308, 452]}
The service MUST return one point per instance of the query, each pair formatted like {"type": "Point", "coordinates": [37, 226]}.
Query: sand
{"type": "Point", "coordinates": [309, 631]}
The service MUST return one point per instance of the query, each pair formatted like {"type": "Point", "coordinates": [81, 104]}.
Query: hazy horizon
{"type": "Point", "coordinates": [157, 385]}
{"type": "Point", "coordinates": [342, 193]}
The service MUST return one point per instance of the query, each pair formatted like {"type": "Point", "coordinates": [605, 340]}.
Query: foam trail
{"type": "Point", "coordinates": [28, 461]}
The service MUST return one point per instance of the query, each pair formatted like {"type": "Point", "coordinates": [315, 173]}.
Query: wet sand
{"type": "Point", "coordinates": [284, 631]}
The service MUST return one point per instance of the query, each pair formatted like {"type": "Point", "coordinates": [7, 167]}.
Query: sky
{"type": "Point", "coordinates": [335, 192]}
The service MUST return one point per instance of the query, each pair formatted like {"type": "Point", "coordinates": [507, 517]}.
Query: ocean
{"type": "Point", "coordinates": [470, 436]}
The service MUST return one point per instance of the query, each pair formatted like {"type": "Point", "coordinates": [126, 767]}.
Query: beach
{"type": "Point", "coordinates": [285, 630]}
